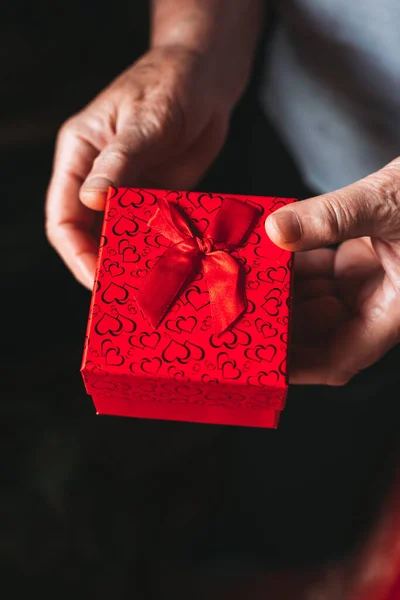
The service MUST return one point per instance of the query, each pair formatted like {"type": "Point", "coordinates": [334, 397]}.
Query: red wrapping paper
{"type": "Point", "coordinates": [182, 370]}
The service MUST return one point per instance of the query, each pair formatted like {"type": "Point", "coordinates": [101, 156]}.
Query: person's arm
{"type": "Point", "coordinates": [224, 32]}
{"type": "Point", "coordinates": [161, 123]}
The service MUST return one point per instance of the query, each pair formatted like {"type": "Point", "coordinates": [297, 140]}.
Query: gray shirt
{"type": "Point", "coordinates": [332, 87]}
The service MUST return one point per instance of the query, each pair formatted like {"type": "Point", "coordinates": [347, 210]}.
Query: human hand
{"type": "Point", "coordinates": [346, 304]}
{"type": "Point", "coordinates": [160, 124]}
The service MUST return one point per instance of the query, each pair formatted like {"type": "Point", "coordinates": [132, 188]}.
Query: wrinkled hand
{"type": "Point", "coordinates": [160, 124]}
{"type": "Point", "coordinates": [346, 312]}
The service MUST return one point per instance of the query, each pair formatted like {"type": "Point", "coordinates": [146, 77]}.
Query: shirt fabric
{"type": "Point", "coordinates": [332, 87]}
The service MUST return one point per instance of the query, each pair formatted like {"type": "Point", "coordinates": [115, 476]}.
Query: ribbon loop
{"type": "Point", "coordinates": [188, 252]}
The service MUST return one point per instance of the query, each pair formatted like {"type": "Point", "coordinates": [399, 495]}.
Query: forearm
{"type": "Point", "coordinates": [223, 33]}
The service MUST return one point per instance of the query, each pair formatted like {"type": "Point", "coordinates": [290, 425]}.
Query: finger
{"type": "Point", "coordinates": [357, 345]}
{"type": "Point", "coordinates": [136, 145]}
{"type": "Point", "coordinates": [316, 263]}
{"type": "Point", "coordinates": [369, 207]}
{"type": "Point", "coordinates": [308, 366]}
{"type": "Point", "coordinates": [356, 259]}
{"type": "Point", "coordinates": [358, 270]}
{"type": "Point", "coordinates": [314, 319]}
{"type": "Point", "coordinates": [389, 256]}
{"type": "Point", "coordinates": [68, 222]}
{"type": "Point", "coordinates": [306, 289]}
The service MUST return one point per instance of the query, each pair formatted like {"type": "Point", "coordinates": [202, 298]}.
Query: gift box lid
{"type": "Point", "coordinates": [181, 368]}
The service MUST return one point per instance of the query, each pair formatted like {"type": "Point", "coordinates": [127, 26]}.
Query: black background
{"type": "Point", "coordinates": [97, 506]}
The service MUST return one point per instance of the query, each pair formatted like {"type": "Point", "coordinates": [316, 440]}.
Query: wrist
{"type": "Point", "coordinates": [221, 36]}
{"type": "Point", "coordinates": [192, 28]}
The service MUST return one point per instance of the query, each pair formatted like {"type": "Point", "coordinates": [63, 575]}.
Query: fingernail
{"type": "Point", "coordinates": [96, 184]}
{"type": "Point", "coordinates": [287, 224]}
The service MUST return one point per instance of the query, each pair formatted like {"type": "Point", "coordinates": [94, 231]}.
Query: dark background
{"type": "Point", "coordinates": [98, 506]}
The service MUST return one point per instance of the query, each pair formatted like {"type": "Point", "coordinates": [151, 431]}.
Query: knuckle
{"type": "Point", "coordinates": [338, 217]}
{"type": "Point", "coordinates": [68, 128]}
{"type": "Point", "coordinates": [339, 375]}
{"type": "Point", "coordinates": [382, 198]}
{"type": "Point", "coordinates": [337, 379]}
{"type": "Point", "coordinates": [388, 189]}
{"type": "Point", "coordinates": [158, 122]}
{"type": "Point", "coordinates": [161, 118]}
{"type": "Point", "coordinates": [154, 122]}
{"type": "Point", "coordinates": [347, 215]}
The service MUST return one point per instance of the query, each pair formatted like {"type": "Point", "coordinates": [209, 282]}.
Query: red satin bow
{"type": "Point", "coordinates": [225, 280]}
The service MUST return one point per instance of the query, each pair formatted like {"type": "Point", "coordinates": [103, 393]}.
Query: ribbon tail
{"type": "Point", "coordinates": [225, 279]}
{"type": "Point", "coordinates": [163, 284]}
{"type": "Point", "coordinates": [233, 222]}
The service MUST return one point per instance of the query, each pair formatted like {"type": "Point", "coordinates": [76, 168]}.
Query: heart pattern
{"type": "Point", "coordinates": [183, 364]}
{"type": "Point", "coordinates": [210, 202]}
{"type": "Point", "coordinates": [114, 357]}
{"type": "Point", "coordinates": [266, 329]}
{"type": "Point", "coordinates": [264, 378]}
{"type": "Point", "coordinates": [181, 324]}
{"type": "Point", "coordinates": [114, 293]}
{"type": "Point", "coordinates": [261, 353]}
{"type": "Point", "coordinates": [129, 255]}
{"type": "Point", "coordinates": [150, 340]}
{"type": "Point", "coordinates": [151, 365]}
{"type": "Point", "coordinates": [273, 274]}
{"type": "Point", "coordinates": [197, 299]}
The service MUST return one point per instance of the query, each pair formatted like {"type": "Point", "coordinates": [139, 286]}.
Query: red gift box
{"type": "Point", "coordinates": [190, 310]}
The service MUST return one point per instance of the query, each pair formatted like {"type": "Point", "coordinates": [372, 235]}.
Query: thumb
{"type": "Point", "coordinates": [369, 207]}
{"type": "Point", "coordinates": [121, 161]}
